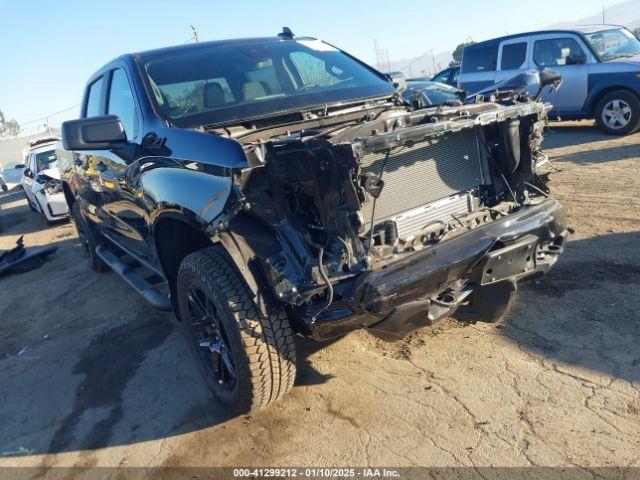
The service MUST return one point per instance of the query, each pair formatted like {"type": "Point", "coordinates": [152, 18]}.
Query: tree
{"type": "Point", "coordinates": [8, 128]}
{"type": "Point", "coordinates": [457, 53]}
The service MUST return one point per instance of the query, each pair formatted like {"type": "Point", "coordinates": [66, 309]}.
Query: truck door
{"type": "Point", "coordinates": [513, 58]}
{"type": "Point", "coordinates": [478, 69]}
{"type": "Point", "coordinates": [566, 54]}
{"type": "Point", "coordinates": [129, 218]}
{"type": "Point", "coordinates": [86, 175]}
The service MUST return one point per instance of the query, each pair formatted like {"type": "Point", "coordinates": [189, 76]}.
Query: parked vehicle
{"type": "Point", "coordinates": [448, 76]}
{"type": "Point", "coordinates": [41, 180]}
{"type": "Point", "coordinates": [279, 185]}
{"type": "Point", "coordinates": [430, 94]}
{"type": "Point", "coordinates": [3, 184]}
{"type": "Point", "coordinates": [600, 66]}
{"type": "Point", "coordinates": [13, 175]}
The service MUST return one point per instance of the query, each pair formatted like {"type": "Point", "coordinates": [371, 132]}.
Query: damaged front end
{"type": "Point", "coordinates": [401, 218]}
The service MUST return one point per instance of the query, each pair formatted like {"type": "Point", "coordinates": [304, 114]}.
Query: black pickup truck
{"type": "Point", "coordinates": [271, 186]}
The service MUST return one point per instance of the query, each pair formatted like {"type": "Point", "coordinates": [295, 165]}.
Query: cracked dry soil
{"type": "Point", "coordinates": [555, 383]}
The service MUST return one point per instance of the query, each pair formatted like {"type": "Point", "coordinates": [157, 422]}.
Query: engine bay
{"type": "Point", "coordinates": [358, 196]}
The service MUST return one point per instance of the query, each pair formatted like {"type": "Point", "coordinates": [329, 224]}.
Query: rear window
{"type": "Point", "coordinates": [480, 59]}
{"type": "Point", "coordinates": [513, 56]}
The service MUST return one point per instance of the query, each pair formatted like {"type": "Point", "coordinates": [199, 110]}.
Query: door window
{"type": "Point", "coordinates": [513, 56]}
{"type": "Point", "coordinates": [94, 103]}
{"type": "Point", "coordinates": [480, 59]}
{"type": "Point", "coordinates": [554, 52]}
{"type": "Point", "coordinates": [121, 102]}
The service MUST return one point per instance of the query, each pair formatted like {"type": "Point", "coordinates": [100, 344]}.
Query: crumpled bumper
{"type": "Point", "coordinates": [482, 265]}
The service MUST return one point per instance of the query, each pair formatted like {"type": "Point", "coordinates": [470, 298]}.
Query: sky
{"type": "Point", "coordinates": [50, 48]}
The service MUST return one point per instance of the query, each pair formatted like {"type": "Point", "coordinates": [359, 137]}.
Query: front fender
{"type": "Point", "coordinates": [199, 197]}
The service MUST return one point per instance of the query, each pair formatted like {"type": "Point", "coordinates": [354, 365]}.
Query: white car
{"type": "Point", "coordinates": [41, 180]}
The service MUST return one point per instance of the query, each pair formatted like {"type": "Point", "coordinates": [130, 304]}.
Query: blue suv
{"type": "Point", "coordinates": [600, 66]}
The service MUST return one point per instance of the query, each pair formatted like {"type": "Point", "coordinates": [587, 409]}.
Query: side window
{"type": "Point", "coordinates": [554, 52]}
{"type": "Point", "coordinates": [121, 101]}
{"type": "Point", "coordinates": [442, 77]}
{"type": "Point", "coordinates": [94, 98]}
{"type": "Point", "coordinates": [482, 59]}
{"type": "Point", "coordinates": [513, 56]}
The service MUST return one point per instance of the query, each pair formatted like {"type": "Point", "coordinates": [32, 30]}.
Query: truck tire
{"type": "Point", "coordinates": [247, 358]}
{"type": "Point", "coordinates": [88, 239]}
{"type": "Point", "coordinates": [618, 113]}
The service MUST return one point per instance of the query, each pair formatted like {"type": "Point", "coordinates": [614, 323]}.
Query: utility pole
{"type": "Point", "coordinates": [603, 10]}
{"type": "Point", "coordinates": [195, 34]}
{"type": "Point", "coordinates": [433, 59]}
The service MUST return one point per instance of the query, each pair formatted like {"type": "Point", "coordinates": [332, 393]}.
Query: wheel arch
{"type": "Point", "coordinates": [178, 234]}
{"type": "Point", "coordinates": [597, 96]}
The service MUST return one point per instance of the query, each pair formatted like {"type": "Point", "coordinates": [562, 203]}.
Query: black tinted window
{"type": "Point", "coordinates": [121, 101]}
{"type": "Point", "coordinates": [554, 52]}
{"type": "Point", "coordinates": [482, 59]}
{"type": "Point", "coordinates": [513, 56]}
{"type": "Point", "coordinates": [94, 103]}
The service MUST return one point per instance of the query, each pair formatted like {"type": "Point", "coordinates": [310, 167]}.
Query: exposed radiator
{"type": "Point", "coordinates": [424, 173]}
{"type": "Point", "coordinates": [412, 222]}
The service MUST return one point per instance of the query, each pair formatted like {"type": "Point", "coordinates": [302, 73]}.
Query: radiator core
{"type": "Point", "coordinates": [424, 173]}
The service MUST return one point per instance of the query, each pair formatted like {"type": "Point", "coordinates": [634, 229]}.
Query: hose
{"type": "Point", "coordinates": [327, 282]}
{"type": "Point", "coordinates": [536, 188]}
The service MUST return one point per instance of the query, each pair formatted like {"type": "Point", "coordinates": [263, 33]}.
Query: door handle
{"type": "Point", "coordinates": [101, 167]}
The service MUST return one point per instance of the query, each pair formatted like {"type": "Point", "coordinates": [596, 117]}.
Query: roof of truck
{"type": "Point", "coordinates": [216, 43]}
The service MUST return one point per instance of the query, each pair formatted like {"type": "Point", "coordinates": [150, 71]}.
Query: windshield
{"type": "Point", "coordinates": [45, 160]}
{"type": "Point", "coordinates": [615, 43]}
{"type": "Point", "coordinates": [223, 84]}
{"type": "Point", "coordinates": [429, 94]}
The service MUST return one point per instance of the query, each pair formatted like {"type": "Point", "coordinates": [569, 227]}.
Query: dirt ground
{"type": "Point", "coordinates": [108, 381]}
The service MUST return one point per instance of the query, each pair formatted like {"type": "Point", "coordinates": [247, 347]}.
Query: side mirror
{"type": "Point", "coordinates": [28, 173]}
{"type": "Point", "coordinates": [576, 59]}
{"type": "Point", "coordinates": [95, 133]}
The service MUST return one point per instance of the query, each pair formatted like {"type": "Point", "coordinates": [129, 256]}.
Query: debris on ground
{"type": "Point", "coordinates": [20, 259]}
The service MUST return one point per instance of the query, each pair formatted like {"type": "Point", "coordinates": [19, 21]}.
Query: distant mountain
{"type": "Point", "coordinates": [625, 13]}
{"type": "Point", "coordinates": [421, 66]}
